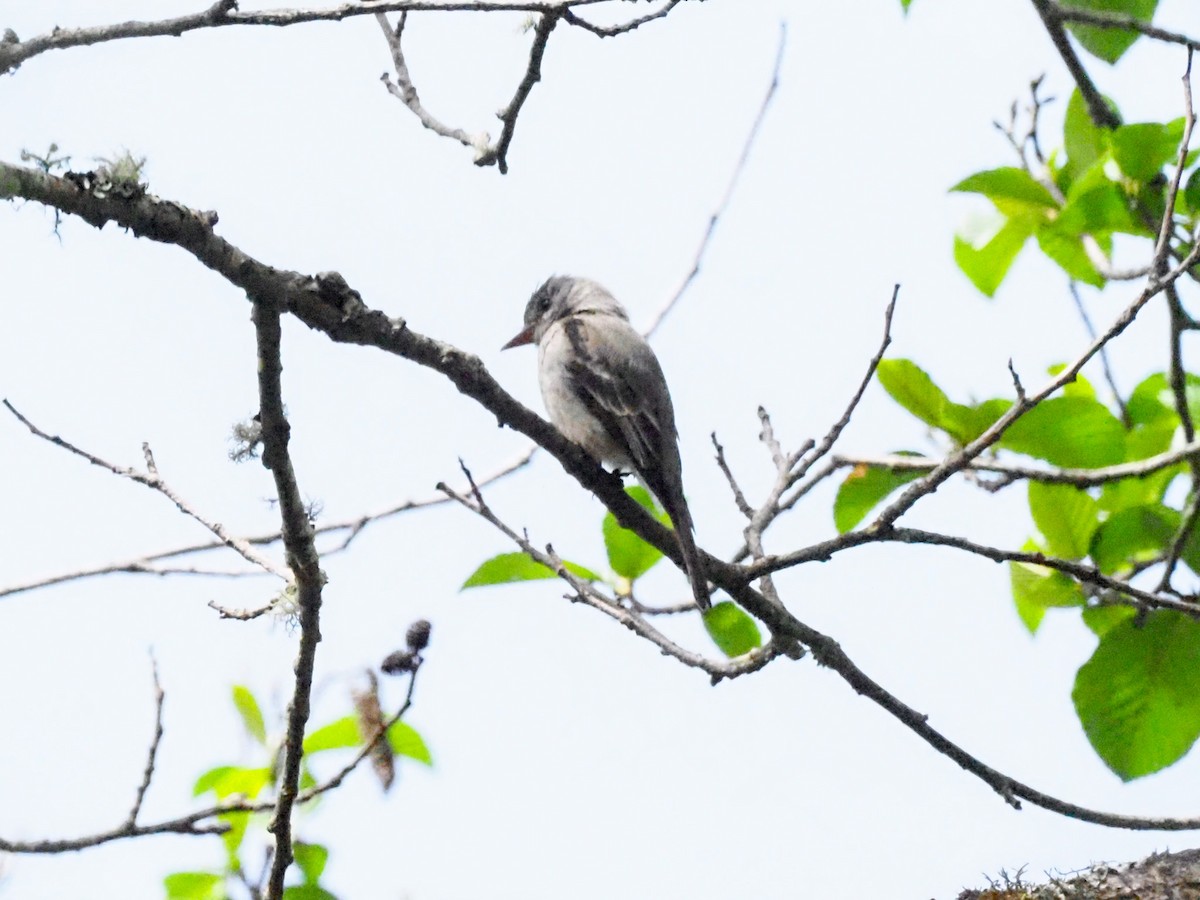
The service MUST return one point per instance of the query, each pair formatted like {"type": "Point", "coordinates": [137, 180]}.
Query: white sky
{"type": "Point", "coordinates": [572, 760]}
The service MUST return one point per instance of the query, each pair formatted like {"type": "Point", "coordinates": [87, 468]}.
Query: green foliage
{"type": "Point", "coordinates": [250, 782]}
{"type": "Point", "coordinates": [231, 781]}
{"type": "Point", "coordinates": [1066, 516]}
{"type": "Point", "coordinates": [731, 629]}
{"type": "Point", "coordinates": [911, 387]}
{"type": "Point", "coordinates": [1037, 588]}
{"type": "Point", "coordinates": [406, 741]}
{"type": "Point", "coordinates": [507, 568]}
{"type": "Point", "coordinates": [1142, 150]}
{"type": "Point", "coordinates": [987, 253]}
{"type": "Point", "coordinates": [1073, 432]}
{"type": "Point", "coordinates": [1133, 535]}
{"type": "Point", "coordinates": [1109, 44]}
{"type": "Point", "coordinates": [1109, 184]}
{"type": "Point", "coordinates": [307, 892]}
{"type": "Point", "coordinates": [1138, 697]}
{"type": "Point", "coordinates": [310, 859]}
{"type": "Point", "coordinates": [248, 709]}
{"type": "Point", "coordinates": [864, 488]}
{"type": "Point", "coordinates": [195, 886]}
{"type": "Point", "coordinates": [337, 735]}
{"type": "Point", "coordinates": [628, 555]}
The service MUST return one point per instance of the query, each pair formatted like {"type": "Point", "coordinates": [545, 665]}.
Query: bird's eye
{"type": "Point", "coordinates": [543, 304]}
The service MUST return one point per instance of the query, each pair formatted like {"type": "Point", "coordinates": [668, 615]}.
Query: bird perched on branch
{"type": "Point", "coordinates": [605, 391]}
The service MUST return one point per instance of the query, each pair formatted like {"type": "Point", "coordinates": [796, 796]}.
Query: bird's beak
{"type": "Point", "coordinates": [524, 337]}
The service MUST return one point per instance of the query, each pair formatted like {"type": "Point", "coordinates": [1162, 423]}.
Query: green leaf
{"type": "Point", "coordinates": [628, 555]}
{"type": "Point", "coordinates": [508, 568]}
{"type": "Point", "coordinates": [1109, 44]}
{"type": "Point", "coordinates": [731, 629]}
{"type": "Point", "coordinates": [1101, 619]}
{"type": "Point", "coordinates": [337, 735]}
{"type": "Point", "coordinates": [1154, 401]}
{"type": "Point", "coordinates": [905, 4]}
{"type": "Point", "coordinates": [1007, 183]}
{"type": "Point", "coordinates": [1133, 535]}
{"type": "Point", "coordinates": [311, 859]}
{"type": "Point", "coordinates": [1066, 250]}
{"type": "Point", "coordinates": [1191, 193]}
{"type": "Point", "coordinates": [225, 781]}
{"type": "Point", "coordinates": [1084, 141]}
{"type": "Point", "coordinates": [1138, 697]}
{"type": "Point", "coordinates": [232, 839]}
{"type": "Point", "coordinates": [1036, 588]}
{"type": "Point", "coordinates": [1142, 150]}
{"type": "Point", "coordinates": [307, 892]}
{"type": "Point", "coordinates": [195, 886]}
{"type": "Point", "coordinates": [1079, 387]}
{"type": "Point", "coordinates": [986, 256]}
{"type": "Point", "coordinates": [1073, 432]}
{"type": "Point", "coordinates": [406, 741]}
{"type": "Point", "coordinates": [1066, 516]}
{"type": "Point", "coordinates": [252, 717]}
{"type": "Point", "coordinates": [863, 490]}
{"type": "Point", "coordinates": [911, 387]}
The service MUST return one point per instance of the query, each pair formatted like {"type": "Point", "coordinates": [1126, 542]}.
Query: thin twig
{"type": "Point", "coordinates": [1106, 366]}
{"type": "Point", "coordinates": [223, 13]}
{"type": "Point", "coordinates": [146, 565]}
{"type": "Point", "coordinates": [713, 219]}
{"type": "Point", "coordinates": [405, 91]}
{"type": "Point", "coordinates": [584, 592]}
{"type": "Point", "coordinates": [533, 74]}
{"type": "Point", "coordinates": [624, 28]}
{"type": "Point", "coordinates": [148, 774]}
{"type": "Point", "coordinates": [339, 312]}
{"type": "Point", "coordinates": [739, 498]}
{"type": "Point", "coordinates": [826, 443]}
{"type": "Point", "coordinates": [1121, 21]}
{"type": "Point", "coordinates": [152, 480]}
{"type": "Point", "coordinates": [1081, 478]}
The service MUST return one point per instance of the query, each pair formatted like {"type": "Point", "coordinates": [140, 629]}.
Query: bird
{"type": "Point", "coordinates": [604, 389]}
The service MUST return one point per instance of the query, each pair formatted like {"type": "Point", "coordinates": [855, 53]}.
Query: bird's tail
{"type": "Point", "coordinates": [681, 518]}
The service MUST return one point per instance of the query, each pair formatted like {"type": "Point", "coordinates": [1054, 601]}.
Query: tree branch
{"type": "Point", "coordinates": [713, 219]}
{"type": "Point", "coordinates": [223, 13]}
{"type": "Point", "coordinates": [151, 479]}
{"type": "Point", "coordinates": [326, 303]}
{"type": "Point", "coordinates": [1099, 111]}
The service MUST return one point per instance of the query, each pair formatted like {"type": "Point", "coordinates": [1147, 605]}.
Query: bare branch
{"type": "Point", "coordinates": [738, 497]}
{"type": "Point", "coordinates": [1073, 287]}
{"type": "Point", "coordinates": [151, 563]}
{"type": "Point", "coordinates": [826, 443]}
{"type": "Point", "coordinates": [223, 13]}
{"type": "Point", "coordinates": [600, 31]}
{"type": "Point", "coordinates": [584, 592]}
{"type": "Point", "coordinates": [326, 303]}
{"type": "Point", "coordinates": [1100, 112]}
{"type": "Point", "coordinates": [1122, 21]}
{"type": "Point", "coordinates": [533, 74]}
{"type": "Point", "coordinates": [404, 91]}
{"type": "Point", "coordinates": [302, 555]}
{"type": "Point", "coordinates": [1080, 478]}
{"type": "Point", "coordinates": [152, 480]}
{"type": "Point", "coordinates": [957, 461]}
{"type": "Point", "coordinates": [148, 774]}
{"type": "Point", "coordinates": [729, 188]}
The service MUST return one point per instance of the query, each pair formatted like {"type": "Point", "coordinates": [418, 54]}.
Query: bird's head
{"type": "Point", "coordinates": [559, 297]}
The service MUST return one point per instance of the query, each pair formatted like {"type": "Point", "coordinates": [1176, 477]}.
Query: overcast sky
{"type": "Point", "coordinates": [571, 759]}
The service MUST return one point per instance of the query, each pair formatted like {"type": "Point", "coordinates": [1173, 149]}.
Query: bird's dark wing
{"type": "Point", "coordinates": [618, 378]}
